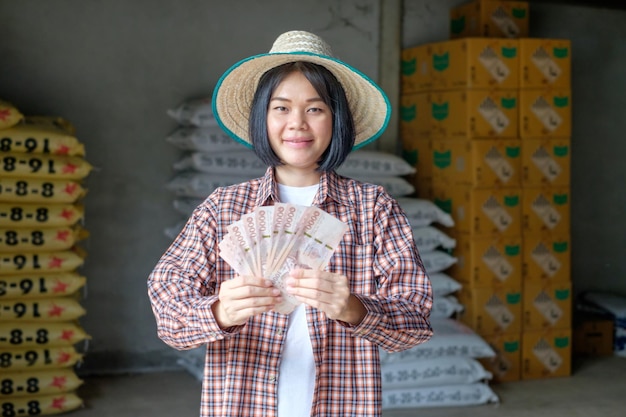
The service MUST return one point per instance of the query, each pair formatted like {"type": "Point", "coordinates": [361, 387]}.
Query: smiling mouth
{"type": "Point", "coordinates": [297, 140]}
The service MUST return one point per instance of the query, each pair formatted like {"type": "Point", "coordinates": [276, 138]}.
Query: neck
{"type": "Point", "coordinates": [295, 178]}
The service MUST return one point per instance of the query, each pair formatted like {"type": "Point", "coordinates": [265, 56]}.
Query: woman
{"type": "Point", "coordinates": [302, 112]}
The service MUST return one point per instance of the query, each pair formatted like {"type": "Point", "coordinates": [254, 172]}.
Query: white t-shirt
{"type": "Point", "coordinates": [296, 379]}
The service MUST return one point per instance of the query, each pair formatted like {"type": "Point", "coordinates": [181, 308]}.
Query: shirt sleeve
{"type": "Point", "coordinates": [398, 313]}
{"type": "Point", "coordinates": [182, 285]}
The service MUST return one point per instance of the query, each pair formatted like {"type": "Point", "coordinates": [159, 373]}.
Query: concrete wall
{"type": "Point", "coordinates": [113, 69]}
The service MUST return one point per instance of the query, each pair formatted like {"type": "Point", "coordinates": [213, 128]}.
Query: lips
{"type": "Point", "coordinates": [298, 143]}
{"type": "Point", "coordinates": [297, 140]}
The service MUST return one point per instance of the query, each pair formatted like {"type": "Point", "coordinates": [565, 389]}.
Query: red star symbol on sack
{"type": "Point", "coordinates": [70, 188]}
{"type": "Point", "coordinates": [62, 235]}
{"type": "Point", "coordinates": [64, 357]}
{"type": "Point", "coordinates": [63, 150]}
{"type": "Point", "coordinates": [55, 262]}
{"type": "Point", "coordinates": [4, 114]}
{"type": "Point", "coordinates": [58, 402]}
{"type": "Point", "coordinates": [55, 311]}
{"type": "Point", "coordinates": [60, 287]}
{"type": "Point", "coordinates": [67, 335]}
{"type": "Point", "coordinates": [59, 382]}
{"type": "Point", "coordinates": [67, 214]}
{"type": "Point", "coordinates": [69, 168]}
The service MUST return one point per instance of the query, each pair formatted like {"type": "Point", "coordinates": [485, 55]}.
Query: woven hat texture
{"type": "Point", "coordinates": [233, 94]}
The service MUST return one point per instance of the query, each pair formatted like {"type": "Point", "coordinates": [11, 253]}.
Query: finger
{"type": "Point", "coordinates": [254, 281]}
{"type": "Point", "coordinates": [320, 282]}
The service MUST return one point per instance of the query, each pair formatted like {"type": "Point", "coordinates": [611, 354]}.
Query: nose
{"type": "Point", "coordinates": [297, 120]}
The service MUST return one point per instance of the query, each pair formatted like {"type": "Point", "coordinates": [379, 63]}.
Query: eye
{"type": "Point", "coordinates": [280, 108]}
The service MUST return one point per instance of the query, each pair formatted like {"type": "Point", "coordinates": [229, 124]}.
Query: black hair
{"type": "Point", "coordinates": [332, 94]}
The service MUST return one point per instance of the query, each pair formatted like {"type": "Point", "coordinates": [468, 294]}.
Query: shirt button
{"type": "Point", "coordinates": [279, 332]}
{"type": "Point", "coordinates": [273, 378]}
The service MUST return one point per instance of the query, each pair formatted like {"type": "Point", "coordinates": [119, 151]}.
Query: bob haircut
{"type": "Point", "coordinates": [332, 94]}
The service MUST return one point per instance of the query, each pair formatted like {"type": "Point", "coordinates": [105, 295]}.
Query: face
{"type": "Point", "coordinates": [299, 126]}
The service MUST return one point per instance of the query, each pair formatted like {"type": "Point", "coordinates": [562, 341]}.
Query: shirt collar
{"type": "Point", "coordinates": [331, 187]}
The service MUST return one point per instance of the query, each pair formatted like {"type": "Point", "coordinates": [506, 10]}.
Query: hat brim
{"type": "Point", "coordinates": [233, 94]}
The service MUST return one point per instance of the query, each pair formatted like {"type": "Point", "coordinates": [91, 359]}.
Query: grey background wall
{"type": "Point", "coordinates": [113, 69]}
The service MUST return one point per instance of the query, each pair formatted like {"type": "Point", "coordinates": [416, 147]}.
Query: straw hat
{"type": "Point", "coordinates": [232, 97]}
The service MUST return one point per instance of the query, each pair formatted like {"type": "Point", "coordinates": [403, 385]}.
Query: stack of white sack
{"type": "Point", "coordinates": [443, 372]}
{"type": "Point", "coordinates": [197, 132]}
{"type": "Point", "coordinates": [198, 173]}
{"type": "Point", "coordinates": [434, 246]}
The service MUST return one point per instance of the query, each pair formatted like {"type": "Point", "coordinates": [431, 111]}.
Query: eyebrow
{"type": "Point", "coordinates": [310, 100]}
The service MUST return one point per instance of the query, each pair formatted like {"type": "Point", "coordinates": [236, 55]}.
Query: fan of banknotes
{"type": "Point", "coordinates": [273, 240]}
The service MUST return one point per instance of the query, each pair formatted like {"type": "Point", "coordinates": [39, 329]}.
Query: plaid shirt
{"type": "Point", "coordinates": [377, 254]}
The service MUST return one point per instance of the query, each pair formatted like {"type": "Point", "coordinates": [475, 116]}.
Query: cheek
{"type": "Point", "coordinates": [273, 127]}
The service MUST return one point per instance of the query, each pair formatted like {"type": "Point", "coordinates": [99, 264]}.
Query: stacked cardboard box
{"type": "Point", "coordinates": [487, 121]}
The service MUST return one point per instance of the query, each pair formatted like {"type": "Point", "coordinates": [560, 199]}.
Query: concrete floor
{"type": "Point", "coordinates": [596, 388]}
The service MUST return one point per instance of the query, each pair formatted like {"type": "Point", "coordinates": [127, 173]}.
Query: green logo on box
{"type": "Point", "coordinates": [445, 205]}
{"type": "Point", "coordinates": [561, 342]}
{"type": "Point", "coordinates": [560, 52]}
{"type": "Point", "coordinates": [408, 113]}
{"type": "Point", "coordinates": [512, 151]}
{"type": "Point", "coordinates": [508, 52]}
{"type": "Point", "coordinates": [440, 111]}
{"type": "Point", "coordinates": [508, 103]}
{"type": "Point", "coordinates": [511, 250]}
{"type": "Point", "coordinates": [511, 200]}
{"type": "Point", "coordinates": [457, 25]}
{"type": "Point", "coordinates": [441, 62]}
{"type": "Point", "coordinates": [559, 199]}
{"type": "Point", "coordinates": [561, 101]}
{"type": "Point", "coordinates": [561, 294]}
{"type": "Point", "coordinates": [442, 159]}
{"type": "Point", "coordinates": [410, 156]}
{"type": "Point", "coordinates": [561, 151]}
{"type": "Point", "coordinates": [560, 247]}
{"type": "Point", "coordinates": [409, 67]}
{"type": "Point", "coordinates": [511, 347]}
{"type": "Point", "coordinates": [518, 13]}
{"type": "Point", "coordinates": [513, 298]}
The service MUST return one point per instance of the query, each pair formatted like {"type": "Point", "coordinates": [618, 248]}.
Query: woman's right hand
{"type": "Point", "coordinates": [243, 297]}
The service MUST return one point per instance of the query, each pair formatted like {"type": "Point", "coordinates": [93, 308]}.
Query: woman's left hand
{"type": "Point", "coordinates": [327, 292]}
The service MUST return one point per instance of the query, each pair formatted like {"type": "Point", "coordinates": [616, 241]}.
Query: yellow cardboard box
{"type": "Point", "coordinates": [546, 162]}
{"type": "Point", "coordinates": [546, 209]}
{"type": "Point", "coordinates": [490, 18]}
{"type": "Point", "coordinates": [483, 163]}
{"type": "Point", "coordinates": [506, 366]}
{"type": "Point", "coordinates": [471, 63]}
{"type": "Point", "coordinates": [416, 69]}
{"type": "Point", "coordinates": [488, 260]}
{"type": "Point", "coordinates": [547, 305]}
{"type": "Point", "coordinates": [545, 63]}
{"type": "Point", "coordinates": [481, 211]}
{"type": "Point", "coordinates": [413, 126]}
{"type": "Point", "coordinates": [475, 63]}
{"type": "Point", "coordinates": [467, 114]}
{"type": "Point", "coordinates": [545, 113]}
{"type": "Point", "coordinates": [546, 257]}
{"type": "Point", "coordinates": [546, 353]}
{"type": "Point", "coordinates": [492, 310]}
